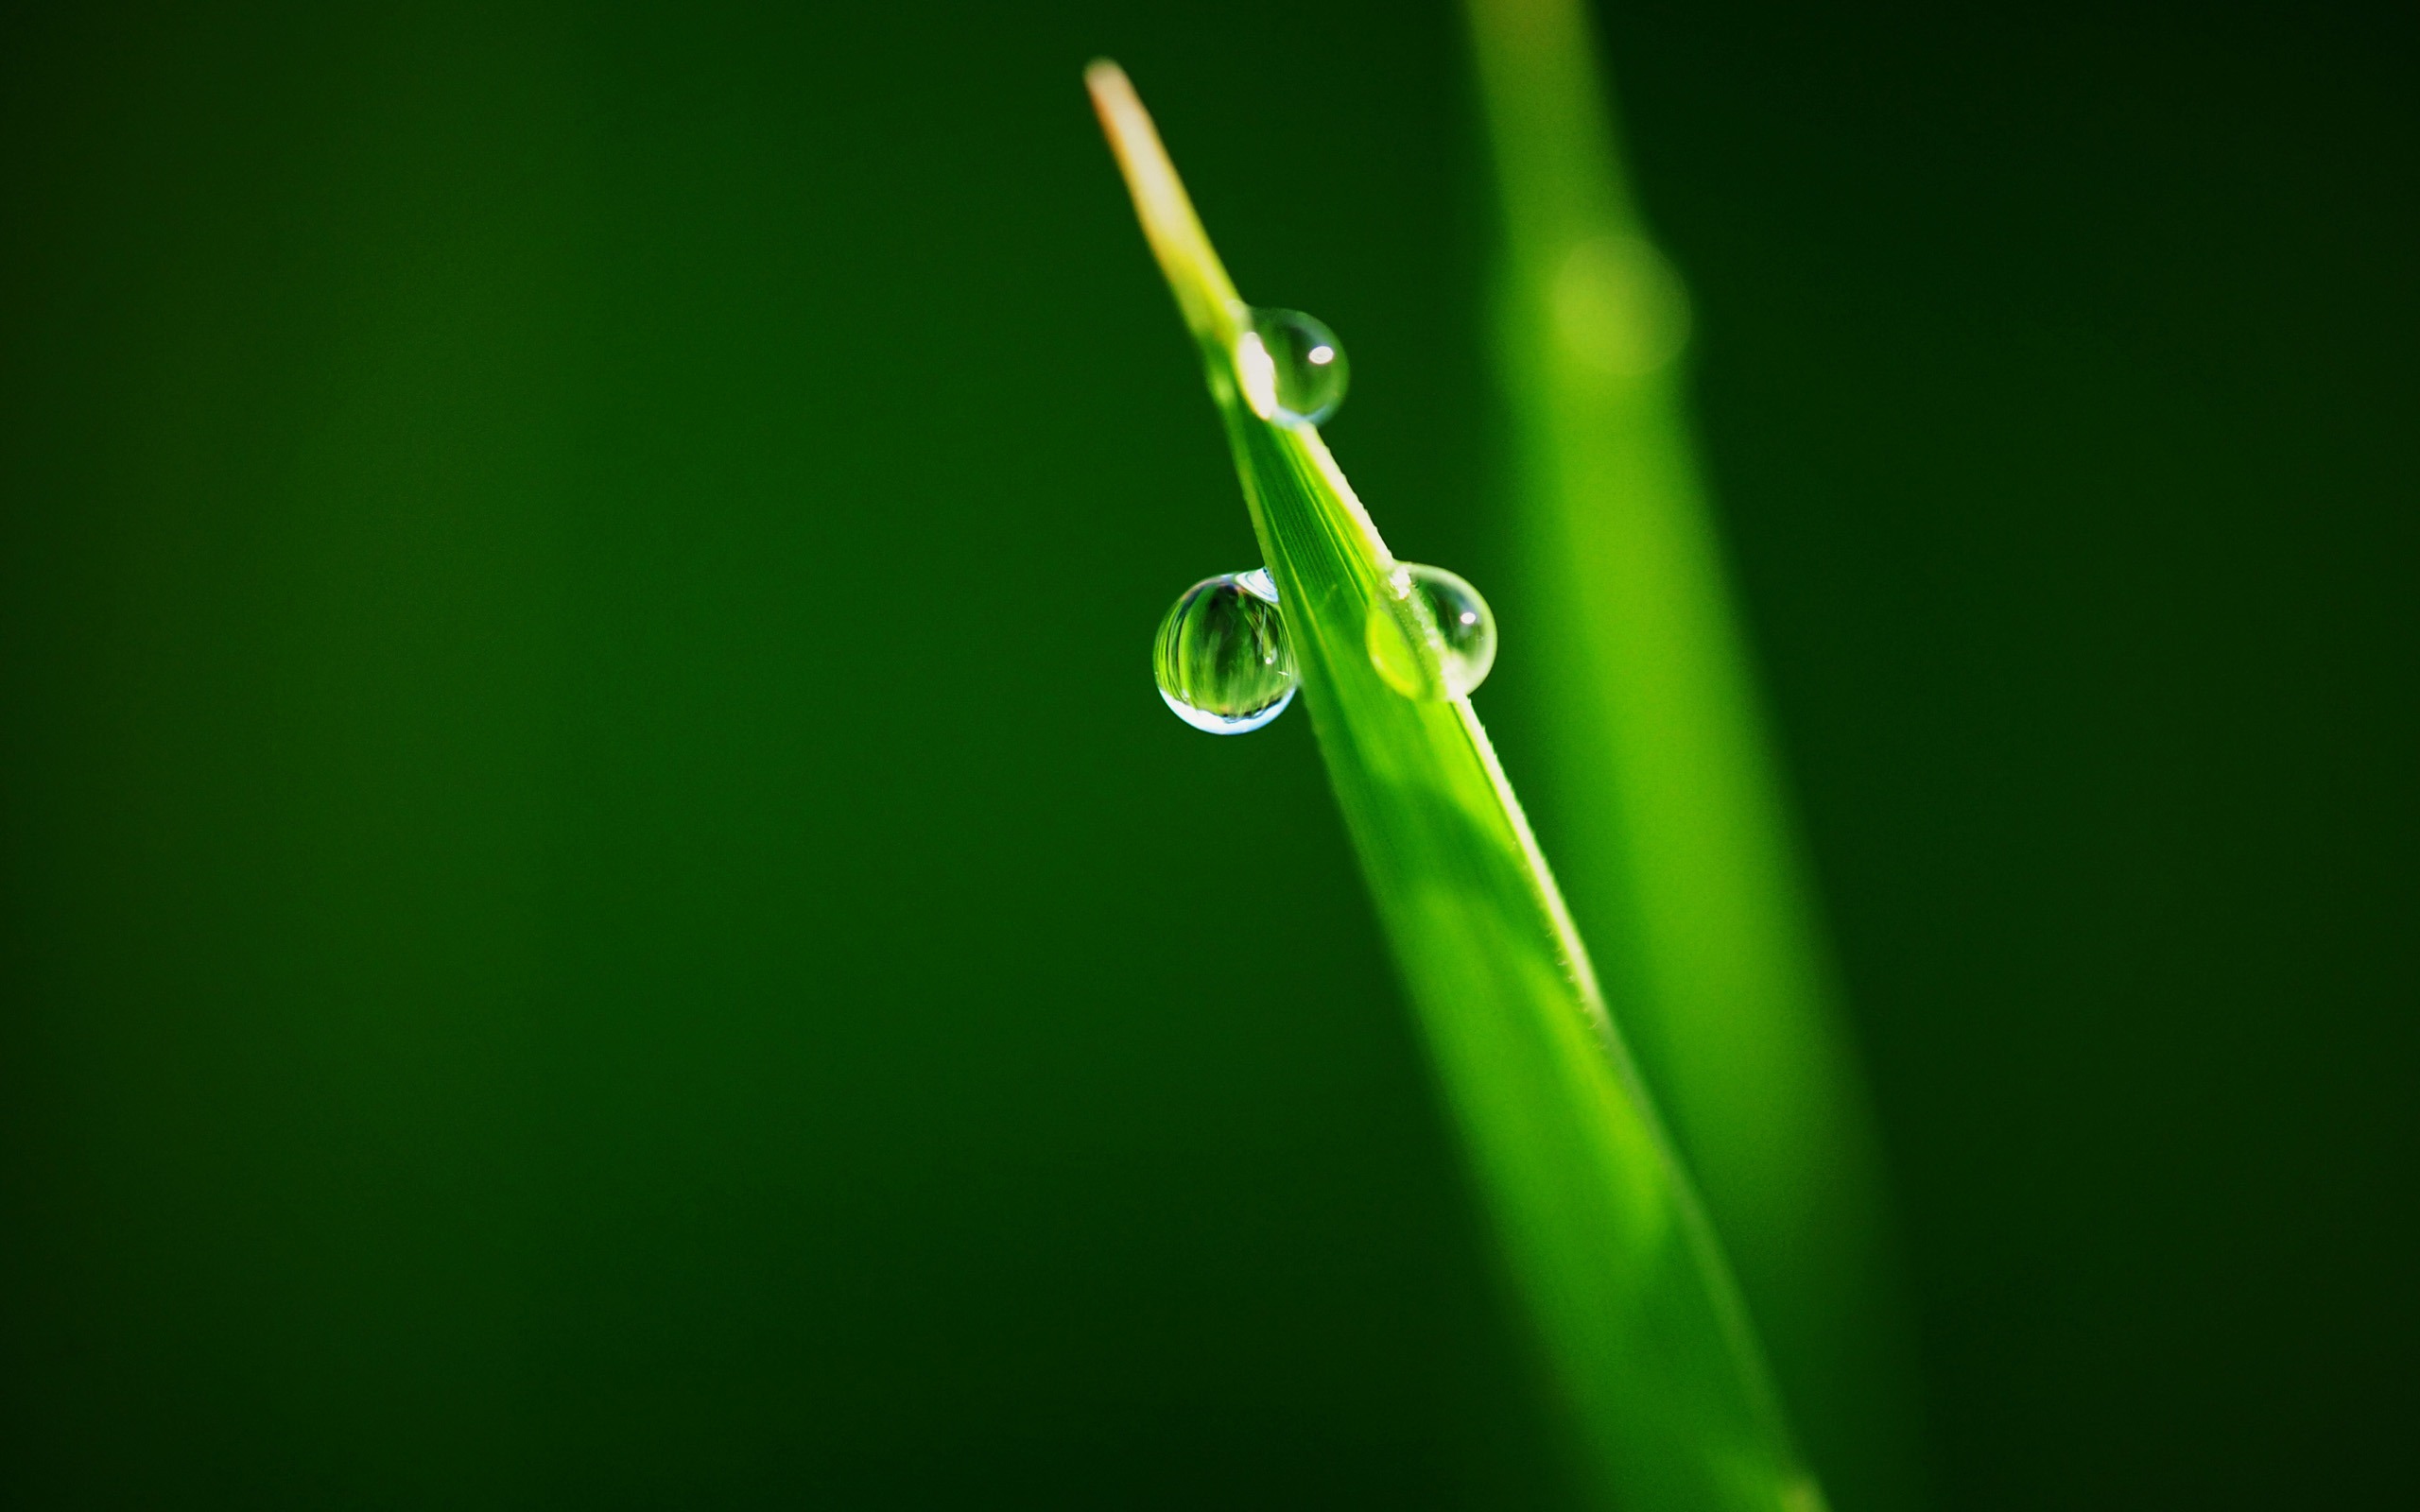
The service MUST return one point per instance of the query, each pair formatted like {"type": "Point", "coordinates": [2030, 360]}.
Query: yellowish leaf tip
{"type": "Point", "coordinates": [1204, 291]}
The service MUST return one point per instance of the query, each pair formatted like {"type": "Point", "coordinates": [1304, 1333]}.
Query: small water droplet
{"type": "Point", "coordinates": [1222, 656]}
{"type": "Point", "coordinates": [1292, 368]}
{"type": "Point", "coordinates": [1618, 306]}
{"type": "Point", "coordinates": [1429, 634]}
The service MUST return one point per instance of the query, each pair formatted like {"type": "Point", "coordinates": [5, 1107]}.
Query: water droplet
{"type": "Point", "coordinates": [1221, 657]}
{"type": "Point", "coordinates": [1620, 307]}
{"type": "Point", "coordinates": [1429, 634]}
{"type": "Point", "coordinates": [1292, 366]}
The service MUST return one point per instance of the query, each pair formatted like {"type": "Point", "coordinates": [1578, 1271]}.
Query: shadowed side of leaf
{"type": "Point", "coordinates": [1630, 1303]}
{"type": "Point", "coordinates": [1670, 820]}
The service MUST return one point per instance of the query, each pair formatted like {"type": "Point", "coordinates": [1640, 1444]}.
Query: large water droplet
{"type": "Point", "coordinates": [1429, 634]}
{"type": "Point", "coordinates": [1221, 657]}
{"type": "Point", "coordinates": [1292, 366]}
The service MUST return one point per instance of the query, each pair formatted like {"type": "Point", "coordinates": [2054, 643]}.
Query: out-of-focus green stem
{"type": "Point", "coordinates": [1662, 801]}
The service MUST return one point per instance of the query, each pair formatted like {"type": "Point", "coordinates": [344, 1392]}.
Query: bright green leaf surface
{"type": "Point", "coordinates": [1627, 1293]}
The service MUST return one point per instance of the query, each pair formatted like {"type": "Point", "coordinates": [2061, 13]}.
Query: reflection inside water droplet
{"type": "Point", "coordinates": [1431, 634]}
{"type": "Point", "coordinates": [1221, 657]}
{"type": "Point", "coordinates": [1292, 368]}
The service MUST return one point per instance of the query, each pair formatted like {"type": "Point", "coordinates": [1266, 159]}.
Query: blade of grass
{"type": "Point", "coordinates": [1676, 840]}
{"type": "Point", "coordinates": [1632, 1305]}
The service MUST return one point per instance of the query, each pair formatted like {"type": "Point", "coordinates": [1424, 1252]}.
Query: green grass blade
{"type": "Point", "coordinates": [1605, 1241]}
{"type": "Point", "coordinates": [1668, 821]}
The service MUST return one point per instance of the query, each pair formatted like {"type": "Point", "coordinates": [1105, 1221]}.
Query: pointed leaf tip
{"type": "Point", "coordinates": [1203, 292]}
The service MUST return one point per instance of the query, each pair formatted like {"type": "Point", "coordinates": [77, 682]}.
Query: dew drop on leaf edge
{"type": "Point", "coordinates": [1292, 368]}
{"type": "Point", "coordinates": [1431, 634]}
{"type": "Point", "coordinates": [1221, 658]}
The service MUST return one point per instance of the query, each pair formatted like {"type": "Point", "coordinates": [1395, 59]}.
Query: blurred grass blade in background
{"type": "Point", "coordinates": [1633, 1309]}
{"type": "Point", "coordinates": [1658, 786]}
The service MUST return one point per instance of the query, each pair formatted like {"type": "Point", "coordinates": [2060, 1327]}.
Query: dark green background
{"type": "Point", "coordinates": [601, 912]}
